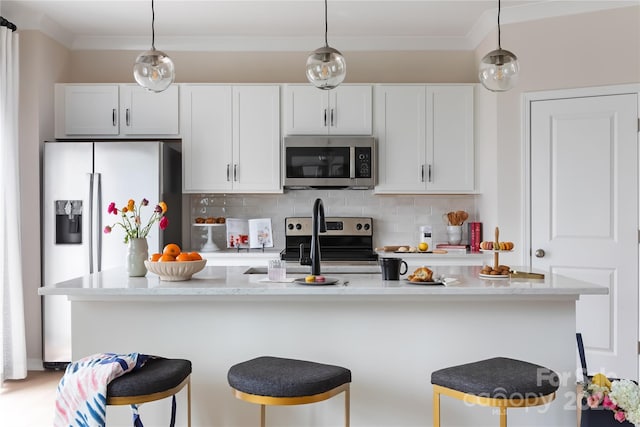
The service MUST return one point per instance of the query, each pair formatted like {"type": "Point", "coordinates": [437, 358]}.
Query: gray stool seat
{"type": "Point", "coordinates": [157, 375]}
{"type": "Point", "coordinates": [499, 382]}
{"type": "Point", "coordinates": [271, 380]}
{"type": "Point", "coordinates": [498, 377]}
{"type": "Point", "coordinates": [278, 377]}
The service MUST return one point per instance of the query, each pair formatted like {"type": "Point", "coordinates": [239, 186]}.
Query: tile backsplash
{"type": "Point", "coordinates": [396, 218]}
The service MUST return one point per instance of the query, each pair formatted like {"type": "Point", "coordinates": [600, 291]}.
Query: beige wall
{"type": "Point", "coordinates": [594, 49]}
{"type": "Point", "coordinates": [555, 53]}
{"type": "Point", "coordinates": [279, 67]}
{"type": "Point", "coordinates": [42, 63]}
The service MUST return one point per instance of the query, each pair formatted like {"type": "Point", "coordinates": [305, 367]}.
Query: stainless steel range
{"type": "Point", "coordinates": [346, 239]}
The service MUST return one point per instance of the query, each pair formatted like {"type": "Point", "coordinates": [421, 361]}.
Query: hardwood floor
{"type": "Point", "coordinates": [29, 402]}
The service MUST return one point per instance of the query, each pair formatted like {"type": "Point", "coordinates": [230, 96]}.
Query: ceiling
{"type": "Point", "coordinates": [284, 25]}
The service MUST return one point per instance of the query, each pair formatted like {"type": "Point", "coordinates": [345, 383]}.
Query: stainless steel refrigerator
{"type": "Point", "coordinates": [80, 179]}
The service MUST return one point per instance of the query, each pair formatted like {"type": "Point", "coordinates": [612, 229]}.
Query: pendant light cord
{"type": "Point", "coordinates": [326, 26]}
{"type": "Point", "coordinates": [153, 29]}
{"type": "Point", "coordinates": [499, 46]}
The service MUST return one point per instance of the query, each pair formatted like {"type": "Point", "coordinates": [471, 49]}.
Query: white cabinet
{"type": "Point", "coordinates": [345, 110]}
{"type": "Point", "coordinates": [83, 110]}
{"type": "Point", "coordinates": [148, 113]}
{"type": "Point", "coordinates": [231, 138]}
{"type": "Point", "coordinates": [114, 110]}
{"type": "Point", "coordinates": [425, 138]}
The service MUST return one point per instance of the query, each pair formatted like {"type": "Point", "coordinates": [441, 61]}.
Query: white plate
{"type": "Point", "coordinates": [494, 276]}
{"type": "Point", "coordinates": [327, 281]}
{"type": "Point", "coordinates": [433, 283]}
{"type": "Point", "coordinates": [209, 225]}
{"type": "Point", "coordinates": [496, 250]}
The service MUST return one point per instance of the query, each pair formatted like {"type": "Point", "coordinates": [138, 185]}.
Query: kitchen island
{"type": "Point", "coordinates": [391, 334]}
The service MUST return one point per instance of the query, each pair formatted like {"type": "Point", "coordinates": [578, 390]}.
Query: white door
{"type": "Point", "coordinates": [400, 129]}
{"type": "Point", "coordinates": [584, 215]}
{"type": "Point", "coordinates": [149, 113]}
{"type": "Point", "coordinates": [256, 138]}
{"type": "Point", "coordinates": [128, 170]}
{"type": "Point", "coordinates": [90, 110]}
{"type": "Point", "coordinates": [306, 110]}
{"type": "Point", "coordinates": [206, 138]}
{"type": "Point", "coordinates": [450, 154]}
{"type": "Point", "coordinates": [350, 111]}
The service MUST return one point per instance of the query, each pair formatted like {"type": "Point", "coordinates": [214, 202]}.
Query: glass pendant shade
{"type": "Point", "coordinates": [499, 70]}
{"type": "Point", "coordinates": [154, 70]}
{"type": "Point", "coordinates": [326, 68]}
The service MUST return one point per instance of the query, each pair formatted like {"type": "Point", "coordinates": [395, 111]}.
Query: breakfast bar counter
{"type": "Point", "coordinates": [391, 334]}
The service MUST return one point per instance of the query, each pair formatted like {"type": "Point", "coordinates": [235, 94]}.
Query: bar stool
{"type": "Point", "coordinates": [157, 379]}
{"type": "Point", "coordinates": [498, 382]}
{"type": "Point", "coordinates": [276, 381]}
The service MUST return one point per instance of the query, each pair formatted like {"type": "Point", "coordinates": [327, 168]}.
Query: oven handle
{"type": "Point", "coordinates": [352, 162]}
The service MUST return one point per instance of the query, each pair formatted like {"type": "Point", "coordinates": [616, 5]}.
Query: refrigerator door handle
{"type": "Point", "coordinates": [90, 234]}
{"type": "Point", "coordinates": [98, 217]}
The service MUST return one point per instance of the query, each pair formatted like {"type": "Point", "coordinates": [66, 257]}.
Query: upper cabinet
{"type": "Point", "coordinates": [425, 138]}
{"type": "Point", "coordinates": [114, 110]}
{"type": "Point", "coordinates": [231, 138]}
{"type": "Point", "coordinates": [148, 113]}
{"type": "Point", "coordinates": [345, 110]}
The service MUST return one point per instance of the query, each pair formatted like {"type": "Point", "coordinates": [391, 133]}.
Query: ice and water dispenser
{"type": "Point", "coordinates": [68, 221]}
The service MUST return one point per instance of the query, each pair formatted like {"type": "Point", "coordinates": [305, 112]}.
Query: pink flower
{"type": "Point", "coordinates": [594, 400]}
{"type": "Point", "coordinates": [619, 416]}
{"type": "Point", "coordinates": [144, 202]}
{"type": "Point", "coordinates": [107, 229]}
{"type": "Point", "coordinates": [164, 223]}
{"type": "Point", "coordinates": [112, 208]}
{"type": "Point", "coordinates": [608, 403]}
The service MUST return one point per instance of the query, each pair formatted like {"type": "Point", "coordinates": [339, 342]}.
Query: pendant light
{"type": "Point", "coordinates": [499, 68]}
{"type": "Point", "coordinates": [326, 67]}
{"type": "Point", "coordinates": [153, 69]}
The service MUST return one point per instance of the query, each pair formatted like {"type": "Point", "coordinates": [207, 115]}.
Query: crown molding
{"type": "Point", "coordinates": [485, 25]}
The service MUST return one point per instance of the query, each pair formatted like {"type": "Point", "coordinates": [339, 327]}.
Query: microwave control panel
{"type": "Point", "coordinates": [363, 162]}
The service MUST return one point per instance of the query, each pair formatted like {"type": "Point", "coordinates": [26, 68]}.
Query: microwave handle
{"type": "Point", "coordinates": [352, 162]}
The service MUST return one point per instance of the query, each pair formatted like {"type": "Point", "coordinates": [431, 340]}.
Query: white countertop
{"type": "Point", "coordinates": [231, 281]}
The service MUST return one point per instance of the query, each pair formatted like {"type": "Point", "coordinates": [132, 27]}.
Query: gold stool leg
{"type": "Point", "coordinates": [347, 406]}
{"type": "Point", "coordinates": [503, 416]}
{"type": "Point", "coordinates": [189, 402]}
{"type": "Point", "coordinates": [263, 416]}
{"type": "Point", "coordinates": [436, 408]}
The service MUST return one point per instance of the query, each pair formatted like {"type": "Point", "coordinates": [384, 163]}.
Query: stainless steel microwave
{"type": "Point", "coordinates": [329, 161]}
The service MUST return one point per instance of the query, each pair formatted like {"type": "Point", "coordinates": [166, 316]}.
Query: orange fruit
{"type": "Point", "coordinates": [183, 256]}
{"type": "Point", "coordinates": [167, 258]}
{"type": "Point", "coordinates": [195, 256]}
{"type": "Point", "coordinates": [155, 257]}
{"type": "Point", "coordinates": [171, 249]}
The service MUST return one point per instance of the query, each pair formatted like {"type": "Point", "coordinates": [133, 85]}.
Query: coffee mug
{"type": "Point", "coordinates": [391, 268]}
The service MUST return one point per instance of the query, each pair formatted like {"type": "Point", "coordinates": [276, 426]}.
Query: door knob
{"type": "Point", "coordinates": [539, 253]}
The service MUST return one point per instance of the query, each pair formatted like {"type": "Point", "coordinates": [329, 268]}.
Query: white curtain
{"type": "Point", "coordinates": [13, 353]}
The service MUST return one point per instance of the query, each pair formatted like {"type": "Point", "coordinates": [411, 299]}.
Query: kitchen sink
{"type": "Point", "coordinates": [326, 269]}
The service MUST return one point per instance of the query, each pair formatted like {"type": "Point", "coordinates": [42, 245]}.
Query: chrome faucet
{"type": "Point", "coordinates": [318, 226]}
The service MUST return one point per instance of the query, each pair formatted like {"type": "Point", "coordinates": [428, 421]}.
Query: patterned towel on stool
{"type": "Point", "coordinates": [82, 392]}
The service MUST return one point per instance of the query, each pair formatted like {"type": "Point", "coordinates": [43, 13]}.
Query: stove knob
{"type": "Point", "coordinates": [298, 226]}
{"type": "Point", "coordinates": [290, 226]}
{"type": "Point", "coordinates": [367, 226]}
{"type": "Point", "coordinates": [359, 227]}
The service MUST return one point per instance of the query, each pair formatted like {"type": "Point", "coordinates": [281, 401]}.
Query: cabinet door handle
{"type": "Point", "coordinates": [325, 117]}
{"type": "Point", "coordinates": [429, 173]}
{"type": "Point", "coordinates": [113, 116]}
{"type": "Point", "coordinates": [235, 172]}
{"type": "Point", "coordinates": [228, 176]}
{"type": "Point", "coordinates": [332, 124]}
{"type": "Point", "coordinates": [422, 173]}
{"type": "Point", "coordinates": [127, 117]}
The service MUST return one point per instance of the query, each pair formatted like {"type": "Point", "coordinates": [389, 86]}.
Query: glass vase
{"type": "Point", "coordinates": [137, 253]}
